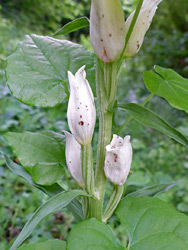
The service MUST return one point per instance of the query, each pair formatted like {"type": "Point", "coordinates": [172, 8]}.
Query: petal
{"type": "Point", "coordinates": [142, 24]}
{"type": "Point", "coordinates": [73, 157]}
{"type": "Point", "coordinates": [107, 30]}
{"type": "Point", "coordinates": [81, 113]}
{"type": "Point", "coordinates": [118, 160]}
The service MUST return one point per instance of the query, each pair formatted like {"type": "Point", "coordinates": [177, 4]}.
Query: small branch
{"type": "Point", "coordinates": [113, 202]}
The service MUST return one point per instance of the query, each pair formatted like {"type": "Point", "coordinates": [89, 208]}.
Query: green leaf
{"type": "Point", "coordinates": [40, 153]}
{"type": "Point", "coordinates": [153, 190]}
{"type": "Point", "coordinates": [74, 25]}
{"type": "Point", "coordinates": [37, 71]}
{"type": "Point", "coordinates": [53, 204]}
{"type": "Point", "coordinates": [153, 224]}
{"type": "Point", "coordinates": [19, 170]}
{"type": "Point", "coordinates": [92, 234]}
{"type": "Point", "coordinates": [47, 174]}
{"type": "Point", "coordinates": [75, 206]}
{"type": "Point", "coordinates": [168, 84]}
{"type": "Point", "coordinates": [152, 120]}
{"type": "Point", "coordinates": [46, 245]}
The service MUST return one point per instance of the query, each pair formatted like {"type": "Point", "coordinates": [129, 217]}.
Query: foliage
{"type": "Point", "coordinates": [152, 224]}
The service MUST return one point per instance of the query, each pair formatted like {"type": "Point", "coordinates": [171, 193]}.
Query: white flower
{"type": "Point", "coordinates": [142, 24]}
{"type": "Point", "coordinates": [118, 159]}
{"type": "Point", "coordinates": [107, 29]}
{"type": "Point", "coordinates": [73, 158]}
{"type": "Point", "coordinates": [81, 113]}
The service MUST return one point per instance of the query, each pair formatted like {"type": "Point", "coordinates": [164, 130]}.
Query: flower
{"type": "Point", "coordinates": [107, 29]}
{"type": "Point", "coordinates": [81, 113]}
{"type": "Point", "coordinates": [118, 159]}
{"type": "Point", "coordinates": [142, 24]}
{"type": "Point", "coordinates": [73, 158]}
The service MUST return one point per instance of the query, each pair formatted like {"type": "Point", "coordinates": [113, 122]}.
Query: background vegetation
{"type": "Point", "coordinates": [157, 159]}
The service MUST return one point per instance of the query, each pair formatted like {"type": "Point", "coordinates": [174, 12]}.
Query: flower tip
{"type": "Point", "coordinates": [127, 138]}
{"type": "Point", "coordinates": [81, 72]}
{"type": "Point", "coordinates": [65, 132]}
{"type": "Point", "coordinates": [70, 76]}
{"type": "Point", "coordinates": [82, 68]}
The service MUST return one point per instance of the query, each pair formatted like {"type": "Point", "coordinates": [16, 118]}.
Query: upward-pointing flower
{"type": "Point", "coordinates": [107, 29]}
{"type": "Point", "coordinates": [81, 113]}
{"type": "Point", "coordinates": [142, 24]}
{"type": "Point", "coordinates": [118, 159]}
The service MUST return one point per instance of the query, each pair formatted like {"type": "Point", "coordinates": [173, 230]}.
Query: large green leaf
{"type": "Point", "coordinates": [37, 71]}
{"type": "Point", "coordinates": [74, 206]}
{"type": "Point", "coordinates": [168, 84]}
{"type": "Point", "coordinates": [152, 120]}
{"type": "Point", "coordinates": [40, 153]}
{"type": "Point", "coordinates": [53, 204]}
{"type": "Point", "coordinates": [46, 245]}
{"type": "Point", "coordinates": [153, 224]}
{"type": "Point", "coordinates": [93, 235]}
{"type": "Point", "coordinates": [74, 25]}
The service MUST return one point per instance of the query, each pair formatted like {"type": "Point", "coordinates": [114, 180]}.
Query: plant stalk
{"type": "Point", "coordinates": [106, 75]}
{"type": "Point", "coordinates": [88, 175]}
{"type": "Point", "coordinates": [113, 202]}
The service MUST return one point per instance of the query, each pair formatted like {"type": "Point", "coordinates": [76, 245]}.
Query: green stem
{"type": "Point", "coordinates": [113, 202]}
{"type": "Point", "coordinates": [88, 175]}
{"type": "Point", "coordinates": [131, 117]}
{"type": "Point", "coordinates": [110, 79]}
{"type": "Point", "coordinates": [106, 91]}
{"type": "Point", "coordinates": [147, 99]}
{"type": "Point", "coordinates": [87, 168]}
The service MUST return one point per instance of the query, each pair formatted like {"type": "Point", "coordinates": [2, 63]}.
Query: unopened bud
{"type": "Point", "coordinates": [107, 29]}
{"type": "Point", "coordinates": [142, 24]}
{"type": "Point", "coordinates": [118, 159]}
{"type": "Point", "coordinates": [73, 158]}
{"type": "Point", "coordinates": [81, 113]}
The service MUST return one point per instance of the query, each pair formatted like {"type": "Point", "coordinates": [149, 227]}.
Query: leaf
{"type": "Point", "coordinates": [53, 204]}
{"type": "Point", "coordinates": [168, 84]}
{"type": "Point", "coordinates": [152, 120]}
{"type": "Point", "coordinates": [46, 174]}
{"type": "Point", "coordinates": [46, 245]}
{"type": "Point", "coordinates": [153, 190]}
{"type": "Point", "coordinates": [153, 224]}
{"type": "Point", "coordinates": [74, 25]}
{"type": "Point", "coordinates": [39, 150]}
{"type": "Point", "coordinates": [37, 71]}
{"type": "Point", "coordinates": [19, 170]}
{"type": "Point", "coordinates": [92, 234]}
{"type": "Point", "coordinates": [75, 206]}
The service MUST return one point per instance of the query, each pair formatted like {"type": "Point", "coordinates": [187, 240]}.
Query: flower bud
{"type": "Point", "coordinates": [118, 159]}
{"type": "Point", "coordinates": [81, 113]}
{"type": "Point", "coordinates": [73, 158]}
{"type": "Point", "coordinates": [107, 29]}
{"type": "Point", "coordinates": [142, 24]}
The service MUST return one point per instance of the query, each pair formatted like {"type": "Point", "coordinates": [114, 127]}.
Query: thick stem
{"type": "Point", "coordinates": [110, 78]}
{"type": "Point", "coordinates": [88, 175]}
{"type": "Point", "coordinates": [100, 178]}
{"type": "Point", "coordinates": [106, 91]}
{"type": "Point", "coordinates": [113, 202]}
